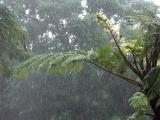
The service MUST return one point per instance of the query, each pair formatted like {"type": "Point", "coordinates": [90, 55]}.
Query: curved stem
{"type": "Point", "coordinates": [118, 75]}
{"type": "Point", "coordinates": [124, 57]}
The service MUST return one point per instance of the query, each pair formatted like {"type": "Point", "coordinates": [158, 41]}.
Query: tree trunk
{"type": "Point", "coordinates": [155, 108]}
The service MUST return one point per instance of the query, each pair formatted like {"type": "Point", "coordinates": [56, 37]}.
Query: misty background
{"type": "Point", "coordinates": [58, 26]}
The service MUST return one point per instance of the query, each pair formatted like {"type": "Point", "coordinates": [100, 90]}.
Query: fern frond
{"type": "Point", "coordinates": [139, 115]}
{"type": "Point", "coordinates": [138, 100]}
{"type": "Point", "coordinates": [52, 63]}
{"type": "Point", "coordinates": [105, 56]}
{"type": "Point", "coordinates": [108, 57]}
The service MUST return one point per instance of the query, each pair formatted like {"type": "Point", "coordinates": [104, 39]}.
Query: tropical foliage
{"type": "Point", "coordinates": [133, 49]}
{"type": "Point", "coordinates": [143, 53]}
{"type": "Point", "coordinates": [12, 38]}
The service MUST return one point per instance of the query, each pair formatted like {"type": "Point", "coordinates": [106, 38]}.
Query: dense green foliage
{"type": "Point", "coordinates": [57, 97]}
{"type": "Point", "coordinates": [57, 27]}
{"type": "Point", "coordinates": [108, 58]}
{"type": "Point", "coordinates": [12, 39]}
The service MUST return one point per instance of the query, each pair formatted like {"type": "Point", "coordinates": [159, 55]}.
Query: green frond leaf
{"type": "Point", "coordinates": [108, 57]}
{"type": "Point", "coordinates": [139, 115]}
{"type": "Point", "coordinates": [52, 63]}
{"type": "Point", "coordinates": [138, 100]}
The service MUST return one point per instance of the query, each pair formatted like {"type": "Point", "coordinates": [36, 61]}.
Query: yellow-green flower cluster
{"type": "Point", "coordinates": [101, 18]}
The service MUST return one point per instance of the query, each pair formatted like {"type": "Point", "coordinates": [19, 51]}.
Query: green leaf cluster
{"type": "Point", "coordinates": [108, 57]}
{"type": "Point", "coordinates": [139, 115]}
{"type": "Point", "coordinates": [138, 100]}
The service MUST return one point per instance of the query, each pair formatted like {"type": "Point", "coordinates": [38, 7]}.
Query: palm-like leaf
{"type": "Point", "coordinates": [105, 56]}
{"type": "Point", "coordinates": [52, 63]}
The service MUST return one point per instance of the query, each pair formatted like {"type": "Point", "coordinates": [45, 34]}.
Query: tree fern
{"type": "Point", "coordinates": [114, 59]}
{"type": "Point", "coordinates": [144, 58]}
